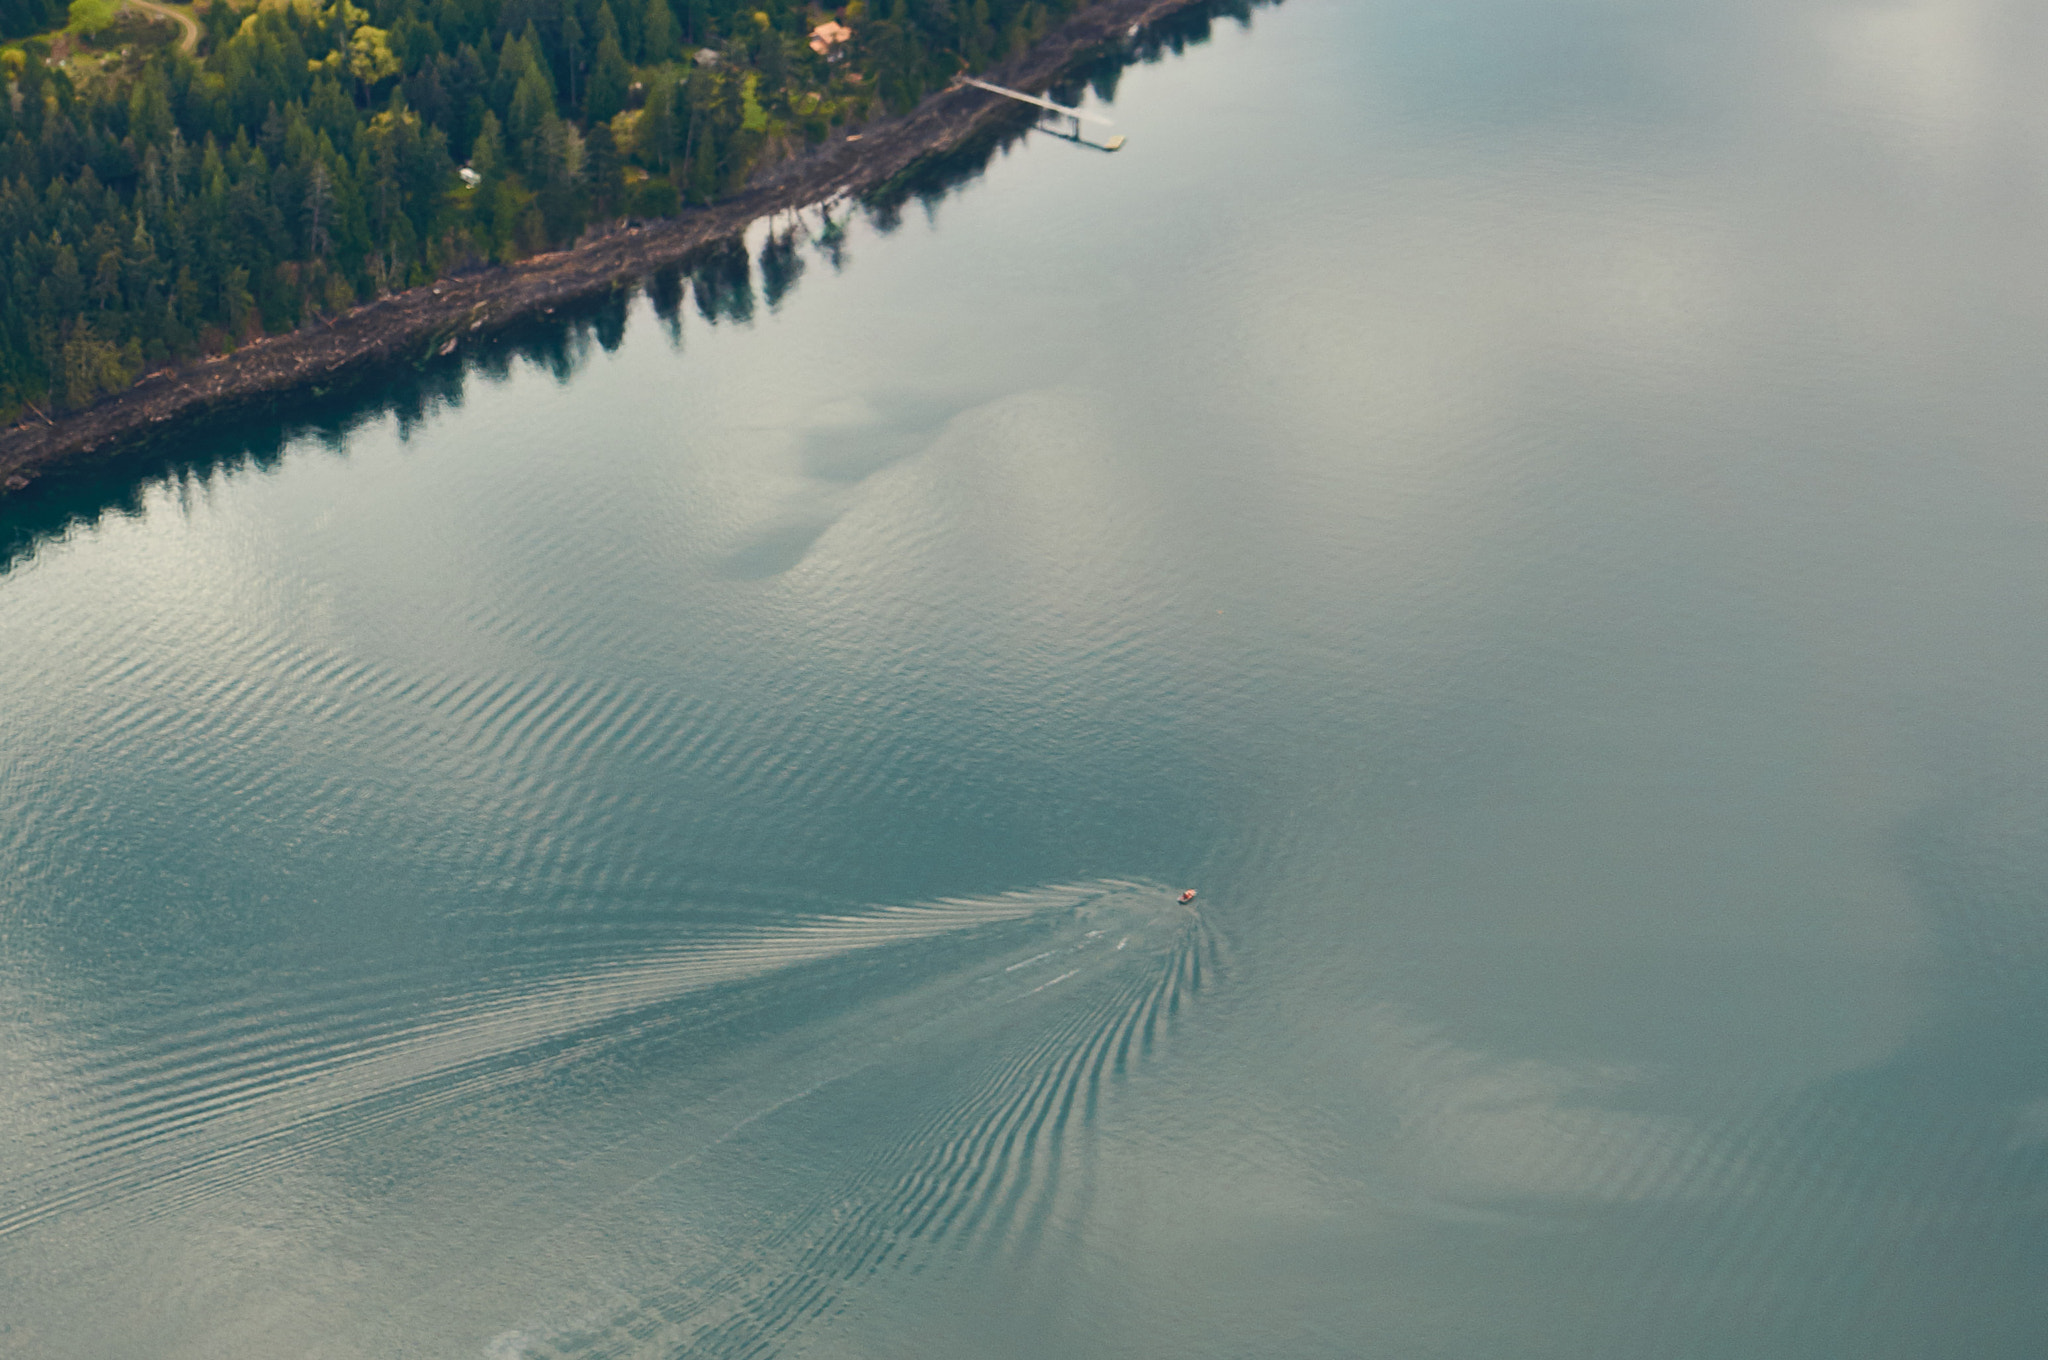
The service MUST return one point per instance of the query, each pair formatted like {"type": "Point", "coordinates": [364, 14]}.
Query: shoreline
{"type": "Point", "coordinates": [438, 318]}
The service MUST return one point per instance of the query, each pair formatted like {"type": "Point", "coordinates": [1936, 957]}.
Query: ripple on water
{"type": "Point", "coordinates": [980, 1171]}
{"type": "Point", "coordinates": [251, 1085]}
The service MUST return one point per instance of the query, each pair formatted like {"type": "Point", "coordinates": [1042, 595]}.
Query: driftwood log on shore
{"type": "Point", "coordinates": [442, 315]}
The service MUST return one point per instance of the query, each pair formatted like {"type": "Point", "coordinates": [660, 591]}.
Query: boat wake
{"type": "Point", "coordinates": [980, 1171]}
{"type": "Point", "coordinates": [968, 1039]}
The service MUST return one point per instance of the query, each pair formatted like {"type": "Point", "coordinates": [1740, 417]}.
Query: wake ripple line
{"type": "Point", "coordinates": [330, 1080]}
{"type": "Point", "coordinates": [997, 1163]}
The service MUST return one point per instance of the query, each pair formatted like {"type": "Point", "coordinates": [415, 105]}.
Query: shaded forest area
{"type": "Point", "coordinates": [157, 205]}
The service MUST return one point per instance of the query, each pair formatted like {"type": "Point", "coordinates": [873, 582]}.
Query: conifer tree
{"type": "Point", "coordinates": [609, 75]}
{"type": "Point", "coordinates": [657, 33]}
{"type": "Point", "coordinates": [306, 155]}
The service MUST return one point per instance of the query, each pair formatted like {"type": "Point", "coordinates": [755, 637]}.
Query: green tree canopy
{"type": "Point", "coordinates": [92, 16]}
{"type": "Point", "coordinates": [306, 155]}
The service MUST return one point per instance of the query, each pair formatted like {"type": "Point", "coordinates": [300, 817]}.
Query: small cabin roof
{"type": "Point", "coordinates": [828, 35]}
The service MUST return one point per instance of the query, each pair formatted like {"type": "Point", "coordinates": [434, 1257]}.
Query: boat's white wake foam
{"type": "Point", "coordinates": [261, 1087]}
{"type": "Point", "coordinates": [1029, 1047]}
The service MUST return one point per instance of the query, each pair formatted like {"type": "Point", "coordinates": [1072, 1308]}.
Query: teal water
{"type": "Point", "coordinates": [659, 838]}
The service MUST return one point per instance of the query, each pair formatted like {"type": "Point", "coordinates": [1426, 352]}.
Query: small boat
{"type": "Point", "coordinates": [1187, 896]}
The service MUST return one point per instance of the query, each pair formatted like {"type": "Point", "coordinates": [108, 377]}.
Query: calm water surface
{"type": "Point", "coordinates": [664, 844]}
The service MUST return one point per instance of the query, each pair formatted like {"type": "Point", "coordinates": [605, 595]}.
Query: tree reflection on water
{"type": "Point", "coordinates": [721, 279]}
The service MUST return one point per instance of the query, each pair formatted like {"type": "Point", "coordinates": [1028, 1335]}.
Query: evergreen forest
{"type": "Point", "coordinates": [168, 195]}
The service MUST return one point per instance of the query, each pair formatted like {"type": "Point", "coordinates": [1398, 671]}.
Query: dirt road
{"type": "Point", "coordinates": [189, 25]}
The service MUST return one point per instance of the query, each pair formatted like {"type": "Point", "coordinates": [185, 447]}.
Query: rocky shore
{"type": "Point", "coordinates": [439, 318]}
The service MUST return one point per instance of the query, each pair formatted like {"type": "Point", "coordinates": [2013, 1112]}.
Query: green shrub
{"type": "Point", "coordinates": [653, 198]}
{"type": "Point", "coordinates": [90, 16]}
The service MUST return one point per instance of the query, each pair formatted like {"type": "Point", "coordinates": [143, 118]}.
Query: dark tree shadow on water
{"type": "Point", "coordinates": [255, 436]}
{"type": "Point", "coordinates": [722, 282]}
{"type": "Point", "coordinates": [781, 266]}
{"type": "Point", "coordinates": [665, 294]}
{"type": "Point", "coordinates": [931, 181]}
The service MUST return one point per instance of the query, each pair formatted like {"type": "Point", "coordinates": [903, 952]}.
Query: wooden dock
{"type": "Point", "coordinates": [1073, 115]}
